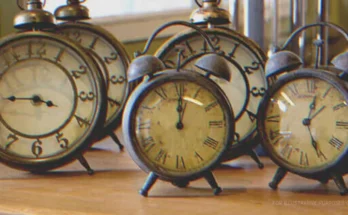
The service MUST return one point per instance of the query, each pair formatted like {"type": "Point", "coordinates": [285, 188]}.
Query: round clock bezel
{"type": "Point", "coordinates": [322, 74]}
{"type": "Point", "coordinates": [252, 139]}
{"type": "Point", "coordinates": [116, 120]}
{"type": "Point", "coordinates": [143, 89]}
{"type": "Point", "coordinates": [68, 156]}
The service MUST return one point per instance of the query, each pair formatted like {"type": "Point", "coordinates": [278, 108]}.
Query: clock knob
{"type": "Point", "coordinates": [210, 13]}
{"type": "Point", "coordinates": [282, 61]}
{"type": "Point", "coordinates": [144, 65]}
{"type": "Point", "coordinates": [34, 17]}
{"type": "Point", "coordinates": [72, 11]}
{"type": "Point", "coordinates": [215, 65]}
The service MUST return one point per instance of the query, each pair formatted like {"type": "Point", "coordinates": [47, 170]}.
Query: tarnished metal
{"type": "Point", "coordinates": [73, 11]}
{"type": "Point", "coordinates": [144, 65]}
{"type": "Point", "coordinates": [215, 65]}
{"type": "Point", "coordinates": [210, 13]}
{"type": "Point", "coordinates": [341, 61]}
{"type": "Point", "coordinates": [34, 17]}
{"type": "Point", "coordinates": [282, 61]}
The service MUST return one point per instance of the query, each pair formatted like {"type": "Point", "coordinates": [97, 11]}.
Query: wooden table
{"type": "Point", "coordinates": [113, 189]}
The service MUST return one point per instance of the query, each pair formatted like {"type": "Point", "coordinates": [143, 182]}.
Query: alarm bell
{"type": "Point", "coordinates": [144, 65]}
{"type": "Point", "coordinates": [214, 64]}
{"type": "Point", "coordinates": [34, 17]}
{"type": "Point", "coordinates": [72, 11]}
{"type": "Point", "coordinates": [282, 61]}
{"type": "Point", "coordinates": [209, 12]}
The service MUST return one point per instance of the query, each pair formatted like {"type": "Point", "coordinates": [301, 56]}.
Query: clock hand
{"type": "Point", "coordinates": [316, 113]}
{"type": "Point", "coordinates": [314, 143]}
{"type": "Point", "coordinates": [35, 99]}
{"type": "Point", "coordinates": [312, 106]}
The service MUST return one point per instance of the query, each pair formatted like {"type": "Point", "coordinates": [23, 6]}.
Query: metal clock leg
{"type": "Point", "coordinates": [338, 179]}
{"type": "Point", "coordinates": [212, 182]}
{"type": "Point", "coordinates": [324, 181]}
{"type": "Point", "coordinates": [151, 179]}
{"type": "Point", "coordinates": [85, 164]}
{"type": "Point", "coordinates": [279, 175]}
{"type": "Point", "coordinates": [116, 140]}
{"type": "Point", "coordinates": [256, 158]}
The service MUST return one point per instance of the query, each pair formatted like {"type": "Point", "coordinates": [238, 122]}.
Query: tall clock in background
{"type": "Point", "coordinates": [246, 62]}
{"type": "Point", "coordinates": [109, 54]}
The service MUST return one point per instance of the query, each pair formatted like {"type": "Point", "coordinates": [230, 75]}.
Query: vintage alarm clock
{"type": "Point", "coordinates": [107, 51]}
{"type": "Point", "coordinates": [52, 96]}
{"type": "Point", "coordinates": [245, 60]}
{"type": "Point", "coordinates": [178, 123]}
{"type": "Point", "coordinates": [303, 118]}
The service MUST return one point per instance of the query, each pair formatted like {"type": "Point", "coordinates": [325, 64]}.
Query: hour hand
{"type": "Point", "coordinates": [36, 99]}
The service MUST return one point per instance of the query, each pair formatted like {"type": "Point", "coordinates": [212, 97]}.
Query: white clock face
{"type": "Point", "coordinates": [111, 60]}
{"type": "Point", "coordinates": [180, 128]}
{"type": "Point", "coordinates": [48, 98]}
{"type": "Point", "coordinates": [247, 85]}
{"type": "Point", "coordinates": [306, 124]}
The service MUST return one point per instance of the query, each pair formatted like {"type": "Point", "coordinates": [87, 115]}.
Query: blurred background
{"type": "Point", "coordinates": [268, 22]}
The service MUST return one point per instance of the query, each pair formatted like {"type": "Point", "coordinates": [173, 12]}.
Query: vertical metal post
{"type": "Point", "coordinates": [298, 19]}
{"type": "Point", "coordinates": [323, 8]}
{"type": "Point", "coordinates": [234, 7]}
{"type": "Point", "coordinates": [254, 21]}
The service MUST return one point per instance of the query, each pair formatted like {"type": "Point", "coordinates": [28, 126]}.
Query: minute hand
{"type": "Point", "coordinates": [316, 113]}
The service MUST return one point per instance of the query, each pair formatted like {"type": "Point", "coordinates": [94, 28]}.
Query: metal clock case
{"type": "Point", "coordinates": [302, 119]}
{"type": "Point", "coordinates": [109, 53]}
{"type": "Point", "coordinates": [177, 123]}
{"type": "Point", "coordinates": [52, 96]}
{"type": "Point", "coordinates": [246, 61]}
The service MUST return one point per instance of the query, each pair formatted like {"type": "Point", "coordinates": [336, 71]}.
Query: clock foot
{"type": "Point", "coordinates": [324, 181]}
{"type": "Point", "coordinates": [85, 164]}
{"type": "Point", "coordinates": [338, 179]}
{"type": "Point", "coordinates": [256, 158]}
{"type": "Point", "coordinates": [151, 179]}
{"type": "Point", "coordinates": [212, 182]}
{"type": "Point", "coordinates": [181, 184]}
{"type": "Point", "coordinates": [279, 175]}
{"type": "Point", "coordinates": [116, 140]}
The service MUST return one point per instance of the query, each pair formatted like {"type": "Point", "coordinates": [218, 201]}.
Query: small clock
{"type": "Point", "coordinates": [303, 117]}
{"type": "Point", "coordinates": [107, 51]}
{"type": "Point", "coordinates": [246, 62]}
{"type": "Point", "coordinates": [52, 96]}
{"type": "Point", "coordinates": [177, 123]}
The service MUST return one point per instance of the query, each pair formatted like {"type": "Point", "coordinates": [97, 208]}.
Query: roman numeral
{"type": "Point", "coordinates": [162, 93]}
{"type": "Point", "coordinates": [161, 156]}
{"type": "Point", "coordinates": [286, 151]}
{"type": "Point", "coordinates": [82, 122]}
{"type": "Point", "coordinates": [336, 143]}
{"type": "Point", "coordinates": [342, 125]}
{"type": "Point", "coordinates": [148, 143]}
{"type": "Point", "coordinates": [216, 124]}
{"type": "Point", "coordinates": [304, 159]}
{"type": "Point", "coordinates": [275, 118]}
{"type": "Point", "coordinates": [180, 163]}
{"type": "Point", "coordinates": [211, 106]}
{"type": "Point", "coordinates": [210, 142]}
{"type": "Point", "coordinates": [144, 125]}
{"type": "Point", "coordinates": [310, 85]}
{"type": "Point", "coordinates": [293, 89]}
{"type": "Point", "coordinates": [113, 102]}
{"type": "Point", "coordinates": [189, 47]}
{"type": "Point", "coordinates": [327, 92]}
{"type": "Point", "coordinates": [199, 157]}
{"type": "Point", "coordinates": [339, 106]}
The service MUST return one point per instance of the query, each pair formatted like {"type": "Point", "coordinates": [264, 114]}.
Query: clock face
{"type": "Point", "coordinates": [180, 128]}
{"type": "Point", "coordinates": [111, 58]}
{"type": "Point", "coordinates": [50, 99]}
{"type": "Point", "coordinates": [247, 85]}
{"type": "Point", "coordinates": [305, 124]}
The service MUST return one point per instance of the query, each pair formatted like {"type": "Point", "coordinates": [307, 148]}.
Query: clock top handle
{"type": "Point", "coordinates": [319, 24]}
{"type": "Point", "coordinates": [173, 23]}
